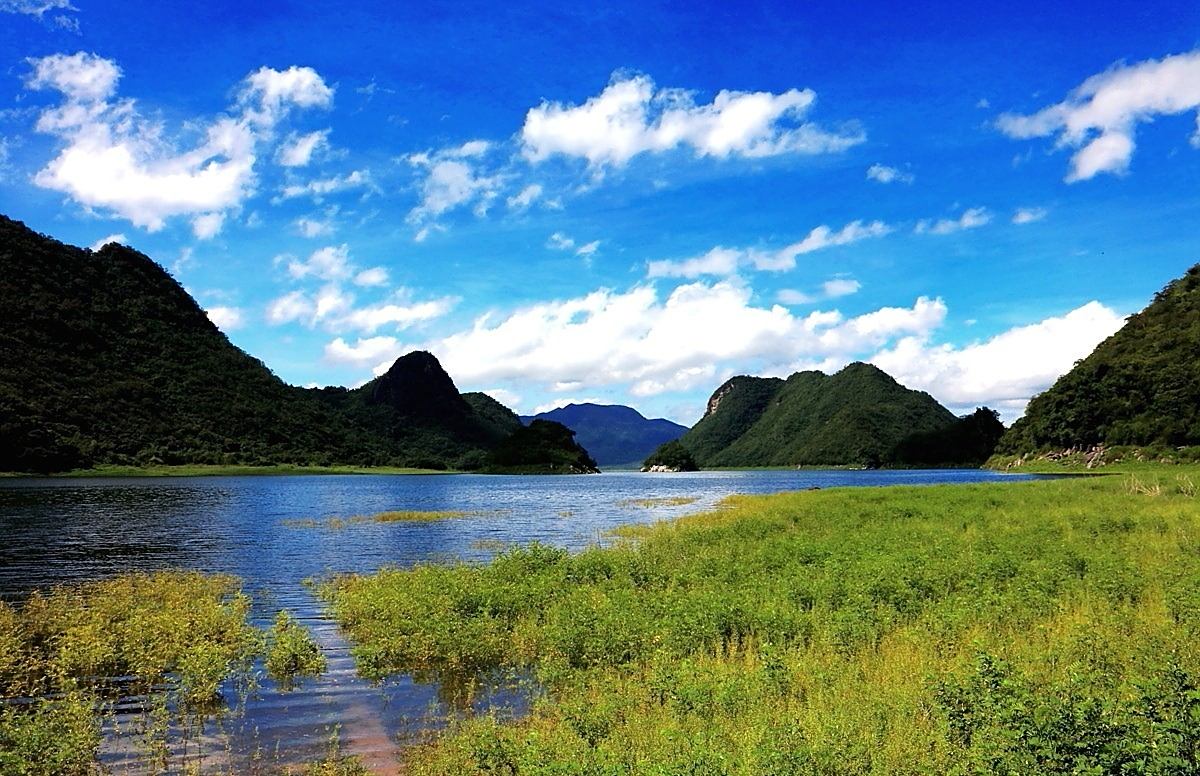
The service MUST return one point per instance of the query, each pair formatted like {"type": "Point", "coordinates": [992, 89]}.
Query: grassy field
{"type": "Point", "coordinates": [216, 470]}
{"type": "Point", "coordinates": [1035, 628]}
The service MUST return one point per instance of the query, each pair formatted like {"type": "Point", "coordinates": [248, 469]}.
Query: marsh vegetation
{"type": "Point", "coordinates": [1034, 628]}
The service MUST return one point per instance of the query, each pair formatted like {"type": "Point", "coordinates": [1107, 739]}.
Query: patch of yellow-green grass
{"type": "Point", "coordinates": [421, 516]}
{"type": "Point", "coordinates": [657, 501]}
{"type": "Point", "coordinates": [1044, 627]}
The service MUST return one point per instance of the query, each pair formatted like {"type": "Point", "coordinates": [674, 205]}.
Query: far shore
{"type": "Point", "coordinates": [225, 470]}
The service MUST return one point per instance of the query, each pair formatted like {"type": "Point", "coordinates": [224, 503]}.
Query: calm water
{"type": "Point", "coordinates": [74, 529]}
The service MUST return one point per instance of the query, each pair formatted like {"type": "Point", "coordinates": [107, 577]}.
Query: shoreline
{"type": "Point", "coordinates": [221, 470]}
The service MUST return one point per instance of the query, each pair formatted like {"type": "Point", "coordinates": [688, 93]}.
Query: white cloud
{"type": "Point", "coordinates": [525, 197]}
{"type": "Point", "coordinates": [364, 352]}
{"type": "Point", "coordinates": [631, 116]}
{"type": "Point", "coordinates": [725, 261]}
{"type": "Point", "coordinates": [561, 242]}
{"type": "Point", "coordinates": [718, 261]}
{"type": "Point", "coordinates": [313, 227]}
{"type": "Point", "coordinates": [119, 237]}
{"type": "Point", "coordinates": [320, 188]}
{"type": "Point", "coordinates": [291, 307]}
{"type": "Point", "coordinates": [1100, 116]}
{"type": "Point", "coordinates": [972, 218]}
{"type": "Point", "coordinates": [115, 160]}
{"type": "Point", "coordinates": [1005, 371]}
{"type": "Point", "coordinates": [226, 318]}
{"type": "Point", "coordinates": [884, 174]}
{"type": "Point", "coordinates": [298, 150]}
{"type": "Point", "coordinates": [1028, 215]}
{"type": "Point", "coordinates": [39, 9]}
{"type": "Point", "coordinates": [267, 94]}
{"type": "Point", "coordinates": [504, 396]}
{"type": "Point", "coordinates": [375, 276]}
{"type": "Point", "coordinates": [329, 263]}
{"type": "Point", "coordinates": [208, 225]}
{"type": "Point", "coordinates": [451, 180]}
{"type": "Point", "coordinates": [654, 344]}
{"type": "Point", "coordinates": [374, 317]}
{"type": "Point", "coordinates": [838, 287]}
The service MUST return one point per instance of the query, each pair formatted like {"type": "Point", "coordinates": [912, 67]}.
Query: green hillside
{"type": "Point", "coordinates": [859, 416]}
{"type": "Point", "coordinates": [106, 359]}
{"type": "Point", "coordinates": [731, 411]}
{"type": "Point", "coordinates": [1139, 387]}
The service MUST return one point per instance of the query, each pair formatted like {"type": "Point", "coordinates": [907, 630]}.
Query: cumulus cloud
{"type": "Point", "coordinates": [632, 116]}
{"type": "Point", "coordinates": [329, 263]}
{"type": "Point", "coordinates": [113, 159]}
{"type": "Point", "coordinates": [1003, 372]}
{"type": "Point", "coordinates": [726, 261]}
{"type": "Point", "coordinates": [972, 218]}
{"type": "Point", "coordinates": [119, 237]}
{"type": "Point", "coordinates": [375, 276]}
{"type": "Point", "coordinates": [653, 344]}
{"type": "Point", "coordinates": [1100, 116]}
{"type": "Point", "coordinates": [364, 352]}
{"type": "Point", "coordinates": [226, 318]}
{"type": "Point", "coordinates": [299, 149]}
{"type": "Point", "coordinates": [207, 226]}
{"type": "Point", "coordinates": [1028, 215]}
{"type": "Point", "coordinates": [451, 179]}
{"type": "Point", "coordinates": [881, 173]}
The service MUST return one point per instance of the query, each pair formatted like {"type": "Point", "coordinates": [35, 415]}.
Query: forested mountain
{"type": "Point", "coordinates": [859, 416]}
{"type": "Point", "coordinates": [105, 358]}
{"type": "Point", "coordinates": [1140, 386]}
{"type": "Point", "coordinates": [615, 435]}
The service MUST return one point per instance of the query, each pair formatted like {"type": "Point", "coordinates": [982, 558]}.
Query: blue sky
{"type": "Point", "coordinates": [627, 204]}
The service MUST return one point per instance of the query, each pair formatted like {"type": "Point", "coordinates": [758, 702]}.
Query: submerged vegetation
{"type": "Point", "coordinates": [658, 501]}
{"type": "Point", "coordinates": [68, 655]}
{"type": "Point", "coordinates": [1043, 627]}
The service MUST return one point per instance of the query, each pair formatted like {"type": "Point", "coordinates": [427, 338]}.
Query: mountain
{"type": "Point", "coordinates": [105, 358]}
{"type": "Point", "coordinates": [1140, 387]}
{"type": "Point", "coordinates": [858, 416]}
{"type": "Point", "coordinates": [615, 435]}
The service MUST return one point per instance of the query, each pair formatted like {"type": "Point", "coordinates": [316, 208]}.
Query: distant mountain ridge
{"type": "Point", "coordinates": [1140, 387]}
{"type": "Point", "coordinates": [614, 434]}
{"type": "Point", "coordinates": [105, 358]}
{"type": "Point", "coordinates": [858, 416]}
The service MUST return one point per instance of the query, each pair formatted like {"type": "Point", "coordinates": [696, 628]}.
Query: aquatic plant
{"type": "Point", "coordinates": [658, 501]}
{"type": "Point", "coordinates": [291, 652]}
{"type": "Point", "coordinates": [66, 653]}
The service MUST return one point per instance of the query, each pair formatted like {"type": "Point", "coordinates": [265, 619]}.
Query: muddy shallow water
{"type": "Point", "coordinates": [274, 532]}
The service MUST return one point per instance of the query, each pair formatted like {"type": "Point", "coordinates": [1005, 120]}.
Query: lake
{"type": "Point", "coordinates": [273, 532]}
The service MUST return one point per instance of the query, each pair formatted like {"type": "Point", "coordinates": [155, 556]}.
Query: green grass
{"type": "Point", "coordinates": [657, 501]}
{"type": "Point", "coordinates": [1044, 627]}
{"type": "Point", "coordinates": [393, 516]}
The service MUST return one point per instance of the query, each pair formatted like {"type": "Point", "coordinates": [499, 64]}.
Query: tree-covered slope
{"type": "Point", "coordinates": [858, 416]}
{"type": "Point", "coordinates": [612, 433]}
{"type": "Point", "coordinates": [1141, 386]}
{"type": "Point", "coordinates": [105, 358]}
{"type": "Point", "coordinates": [732, 410]}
